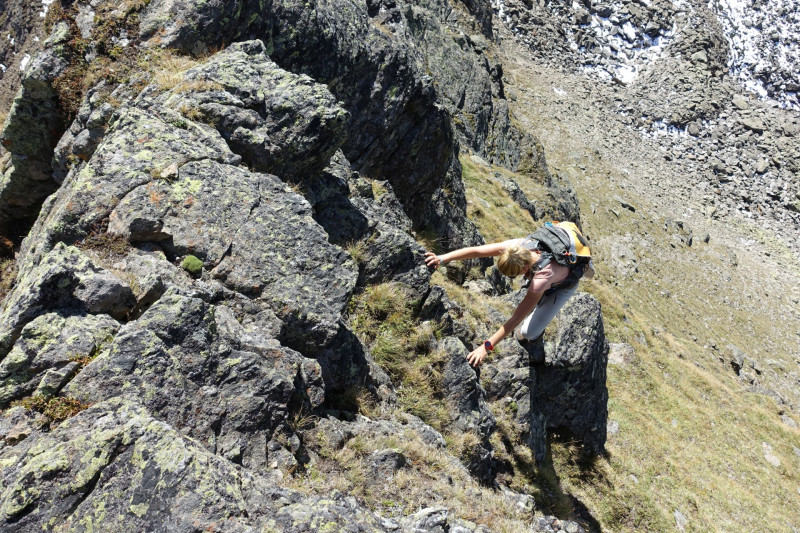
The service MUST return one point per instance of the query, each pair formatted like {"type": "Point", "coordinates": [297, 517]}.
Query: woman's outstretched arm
{"type": "Point", "coordinates": [471, 252]}
{"type": "Point", "coordinates": [524, 308]}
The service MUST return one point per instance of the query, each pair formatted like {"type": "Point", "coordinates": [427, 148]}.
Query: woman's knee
{"type": "Point", "coordinates": [532, 330]}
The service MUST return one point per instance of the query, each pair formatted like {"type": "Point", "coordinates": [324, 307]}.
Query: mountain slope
{"type": "Point", "coordinates": [219, 316]}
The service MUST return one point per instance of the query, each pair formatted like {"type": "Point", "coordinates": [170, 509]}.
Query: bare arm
{"type": "Point", "coordinates": [471, 252]}
{"type": "Point", "coordinates": [524, 308]}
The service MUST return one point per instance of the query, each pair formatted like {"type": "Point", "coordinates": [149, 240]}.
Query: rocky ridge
{"type": "Point", "coordinates": [199, 238]}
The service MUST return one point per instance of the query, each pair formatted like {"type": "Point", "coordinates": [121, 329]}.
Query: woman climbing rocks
{"type": "Point", "coordinates": [554, 258]}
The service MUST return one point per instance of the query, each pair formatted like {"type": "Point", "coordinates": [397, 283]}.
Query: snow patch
{"type": "Point", "coordinates": [764, 43]}
{"type": "Point", "coordinates": [621, 49]}
{"type": "Point", "coordinates": [45, 7]}
{"type": "Point", "coordinates": [24, 62]}
{"type": "Point", "coordinates": [499, 8]}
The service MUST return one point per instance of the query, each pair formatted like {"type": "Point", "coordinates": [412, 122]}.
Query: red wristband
{"type": "Point", "coordinates": [488, 345]}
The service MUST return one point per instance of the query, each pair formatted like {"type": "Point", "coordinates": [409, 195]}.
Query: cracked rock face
{"type": "Point", "coordinates": [115, 467]}
{"type": "Point", "coordinates": [190, 276]}
{"type": "Point", "coordinates": [189, 367]}
{"type": "Point", "coordinates": [67, 281]}
{"type": "Point", "coordinates": [159, 177]}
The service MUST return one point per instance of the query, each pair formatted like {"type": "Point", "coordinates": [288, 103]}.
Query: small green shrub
{"type": "Point", "coordinates": [192, 265]}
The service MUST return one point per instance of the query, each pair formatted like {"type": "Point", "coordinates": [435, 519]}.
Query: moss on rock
{"type": "Point", "coordinates": [192, 265]}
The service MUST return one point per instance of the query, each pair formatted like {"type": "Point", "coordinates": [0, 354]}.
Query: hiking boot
{"type": "Point", "coordinates": [534, 347]}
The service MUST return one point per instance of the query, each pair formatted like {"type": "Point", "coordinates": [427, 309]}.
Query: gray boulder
{"type": "Point", "coordinates": [204, 375]}
{"type": "Point", "coordinates": [279, 122]}
{"type": "Point", "coordinates": [258, 237]}
{"type": "Point", "coordinates": [83, 136]}
{"type": "Point", "coordinates": [569, 389]}
{"type": "Point", "coordinates": [68, 281]}
{"type": "Point", "coordinates": [370, 224]}
{"type": "Point", "coordinates": [139, 147]}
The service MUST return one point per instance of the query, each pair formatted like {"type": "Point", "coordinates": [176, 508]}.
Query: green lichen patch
{"type": "Point", "coordinates": [192, 265]}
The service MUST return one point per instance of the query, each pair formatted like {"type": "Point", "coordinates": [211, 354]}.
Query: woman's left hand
{"type": "Point", "coordinates": [477, 356]}
{"type": "Point", "coordinates": [432, 260]}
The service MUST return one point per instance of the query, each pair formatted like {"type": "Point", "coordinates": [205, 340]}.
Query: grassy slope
{"type": "Point", "coordinates": [691, 437]}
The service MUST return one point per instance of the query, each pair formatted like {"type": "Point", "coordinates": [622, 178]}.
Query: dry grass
{"type": "Point", "coordinates": [489, 206]}
{"type": "Point", "coordinates": [56, 409]}
{"type": "Point", "coordinates": [691, 437]}
{"type": "Point", "coordinates": [382, 317]}
{"type": "Point", "coordinates": [168, 67]}
{"type": "Point", "coordinates": [110, 248]}
{"type": "Point", "coordinates": [429, 475]}
{"type": "Point", "coordinates": [8, 275]}
{"type": "Point", "coordinates": [378, 189]}
{"type": "Point", "coordinates": [357, 250]}
{"type": "Point", "coordinates": [192, 113]}
{"type": "Point", "coordinates": [430, 241]}
{"type": "Point", "coordinates": [475, 305]}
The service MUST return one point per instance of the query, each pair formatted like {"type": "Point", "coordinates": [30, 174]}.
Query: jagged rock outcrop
{"type": "Point", "coordinates": [397, 131]}
{"type": "Point", "coordinates": [559, 384]}
{"type": "Point", "coordinates": [115, 467]}
{"type": "Point", "coordinates": [180, 174]}
{"type": "Point", "coordinates": [468, 408]}
{"type": "Point", "coordinates": [29, 136]}
{"type": "Point", "coordinates": [569, 391]}
{"type": "Point", "coordinates": [191, 271]}
{"type": "Point", "coordinates": [23, 33]}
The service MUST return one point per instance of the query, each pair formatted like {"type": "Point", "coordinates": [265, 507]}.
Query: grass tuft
{"type": "Point", "coordinates": [8, 275]}
{"type": "Point", "coordinates": [382, 316]}
{"type": "Point", "coordinates": [57, 409]}
{"type": "Point", "coordinates": [357, 250]}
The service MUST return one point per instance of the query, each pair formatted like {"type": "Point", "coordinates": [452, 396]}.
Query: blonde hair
{"type": "Point", "coordinates": [514, 260]}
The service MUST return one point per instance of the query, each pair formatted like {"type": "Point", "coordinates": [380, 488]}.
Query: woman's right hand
{"type": "Point", "coordinates": [432, 260]}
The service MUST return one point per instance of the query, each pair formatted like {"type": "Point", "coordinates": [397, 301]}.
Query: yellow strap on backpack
{"type": "Point", "coordinates": [578, 244]}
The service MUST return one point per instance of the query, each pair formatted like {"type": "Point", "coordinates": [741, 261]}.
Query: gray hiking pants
{"type": "Point", "coordinates": [544, 312]}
